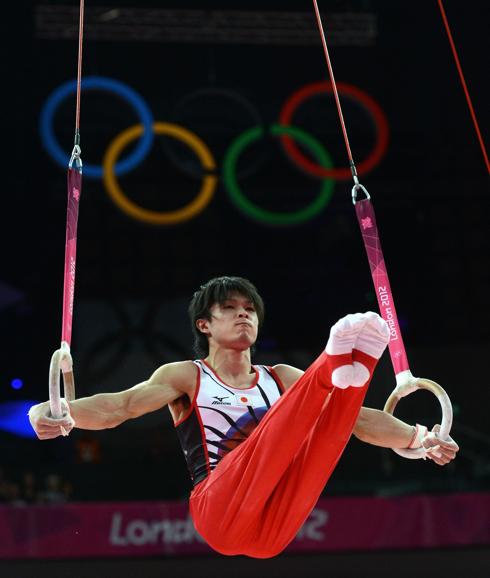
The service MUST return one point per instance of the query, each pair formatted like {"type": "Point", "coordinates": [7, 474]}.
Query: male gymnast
{"type": "Point", "coordinates": [260, 442]}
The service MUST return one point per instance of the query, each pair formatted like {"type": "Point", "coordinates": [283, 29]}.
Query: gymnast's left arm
{"type": "Point", "coordinates": [382, 429]}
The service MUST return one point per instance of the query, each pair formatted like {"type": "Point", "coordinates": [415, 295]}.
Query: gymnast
{"type": "Point", "coordinates": [260, 442]}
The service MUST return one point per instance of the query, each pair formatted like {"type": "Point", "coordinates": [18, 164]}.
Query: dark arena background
{"type": "Point", "coordinates": [228, 74]}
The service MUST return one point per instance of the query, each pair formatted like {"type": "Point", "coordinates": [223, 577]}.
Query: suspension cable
{"type": "Point", "coordinates": [336, 94]}
{"type": "Point", "coordinates": [463, 82]}
{"type": "Point", "coordinates": [79, 72]}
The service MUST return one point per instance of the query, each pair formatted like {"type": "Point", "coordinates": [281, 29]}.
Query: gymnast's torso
{"type": "Point", "coordinates": [220, 417]}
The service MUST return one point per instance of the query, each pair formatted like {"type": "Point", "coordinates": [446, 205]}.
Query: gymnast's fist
{"type": "Point", "coordinates": [440, 451]}
{"type": "Point", "coordinates": [45, 426]}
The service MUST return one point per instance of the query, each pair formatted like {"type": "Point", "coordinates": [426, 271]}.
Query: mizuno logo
{"type": "Point", "coordinates": [219, 400]}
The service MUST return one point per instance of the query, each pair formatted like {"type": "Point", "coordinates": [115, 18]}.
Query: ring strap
{"type": "Point", "coordinates": [369, 230]}
{"type": "Point", "coordinates": [74, 191]}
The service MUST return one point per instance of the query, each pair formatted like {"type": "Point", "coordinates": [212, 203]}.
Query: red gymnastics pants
{"type": "Point", "coordinates": [259, 495]}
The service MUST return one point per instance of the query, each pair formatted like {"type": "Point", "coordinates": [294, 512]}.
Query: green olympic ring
{"type": "Point", "coordinates": [272, 217]}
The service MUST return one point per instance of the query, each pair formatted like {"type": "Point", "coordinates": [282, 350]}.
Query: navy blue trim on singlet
{"type": "Point", "coordinates": [215, 380]}
{"type": "Point", "coordinates": [264, 396]}
{"type": "Point", "coordinates": [226, 416]}
{"type": "Point", "coordinates": [220, 434]}
{"type": "Point", "coordinates": [223, 447]}
{"type": "Point", "coordinates": [217, 457]}
{"type": "Point", "coordinates": [252, 413]}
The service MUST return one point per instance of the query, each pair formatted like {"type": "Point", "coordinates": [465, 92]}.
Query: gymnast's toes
{"type": "Point", "coordinates": [344, 333]}
{"type": "Point", "coordinates": [374, 336]}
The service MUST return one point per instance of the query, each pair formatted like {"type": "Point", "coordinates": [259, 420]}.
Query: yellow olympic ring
{"type": "Point", "coordinates": [160, 217]}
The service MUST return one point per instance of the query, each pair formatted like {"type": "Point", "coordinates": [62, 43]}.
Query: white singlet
{"type": "Point", "coordinates": [221, 417]}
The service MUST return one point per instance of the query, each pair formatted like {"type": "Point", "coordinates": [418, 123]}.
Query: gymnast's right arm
{"type": "Point", "coordinates": [108, 410]}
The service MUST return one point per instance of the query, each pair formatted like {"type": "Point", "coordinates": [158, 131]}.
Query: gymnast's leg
{"type": "Point", "coordinates": [259, 495]}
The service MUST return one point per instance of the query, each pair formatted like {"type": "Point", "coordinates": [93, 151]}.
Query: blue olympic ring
{"type": "Point", "coordinates": [105, 84]}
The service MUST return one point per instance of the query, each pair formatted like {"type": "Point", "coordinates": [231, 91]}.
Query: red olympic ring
{"type": "Point", "coordinates": [380, 120]}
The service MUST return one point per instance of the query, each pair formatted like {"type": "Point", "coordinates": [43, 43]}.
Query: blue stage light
{"type": "Point", "coordinates": [14, 419]}
{"type": "Point", "coordinates": [17, 383]}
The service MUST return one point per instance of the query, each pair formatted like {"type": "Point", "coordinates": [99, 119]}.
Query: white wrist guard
{"type": "Point", "coordinates": [418, 435]}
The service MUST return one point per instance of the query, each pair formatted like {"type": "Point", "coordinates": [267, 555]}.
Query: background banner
{"type": "Point", "coordinates": [161, 528]}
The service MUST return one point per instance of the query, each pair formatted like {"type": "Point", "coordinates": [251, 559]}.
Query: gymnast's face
{"type": "Point", "coordinates": [233, 324]}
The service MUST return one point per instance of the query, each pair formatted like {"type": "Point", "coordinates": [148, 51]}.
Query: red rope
{"type": "Point", "coordinates": [334, 87]}
{"type": "Point", "coordinates": [463, 82]}
{"type": "Point", "coordinates": [79, 72]}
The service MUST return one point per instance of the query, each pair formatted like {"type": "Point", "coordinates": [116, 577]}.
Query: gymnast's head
{"type": "Point", "coordinates": [216, 309]}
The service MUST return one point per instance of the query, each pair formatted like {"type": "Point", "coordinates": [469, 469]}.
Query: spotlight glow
{"type": "Point", "coordinates": [14, 419]}
{"type": "Point", "coordinates": [17, 383]}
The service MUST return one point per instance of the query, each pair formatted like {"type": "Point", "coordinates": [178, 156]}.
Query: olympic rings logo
{"type": "Point", "coordinates": [144, 132]}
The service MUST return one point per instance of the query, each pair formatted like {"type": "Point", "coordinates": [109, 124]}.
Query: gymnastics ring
{"type": "Point", "coordinates": [61, 360]}
{"type": "Point", "coordinates": [407, 384]}
{"type": "Point", "coordinates": [367, 101]}
{"type": "Point", "coordinates": [263, 215]}
{"type": "Point", "coordinates": [224, 94]}
{"type": "Point", "coordinates": [108, 85]}
{"type": "Point", "coordinates": [160, 217]}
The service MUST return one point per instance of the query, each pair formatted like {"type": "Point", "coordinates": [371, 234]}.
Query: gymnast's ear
{"type": "Point", "coordinates": [203, 325]}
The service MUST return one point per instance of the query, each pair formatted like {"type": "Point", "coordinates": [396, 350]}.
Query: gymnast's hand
{"type": "Point", "coordinates": [440, 451]}
{"type": "Point", "coordinates": [45, 426]}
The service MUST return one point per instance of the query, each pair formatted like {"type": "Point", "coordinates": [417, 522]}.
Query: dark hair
{"type": "Point", "coordinates": [218, 290]}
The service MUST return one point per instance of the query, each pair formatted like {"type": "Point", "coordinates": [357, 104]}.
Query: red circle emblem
{"type": "Point", "coordinates": [348, 90]}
